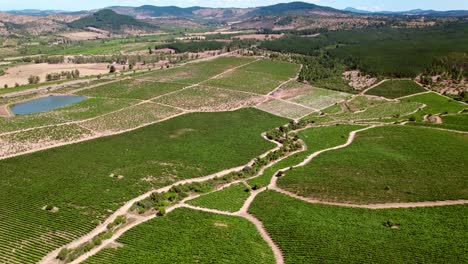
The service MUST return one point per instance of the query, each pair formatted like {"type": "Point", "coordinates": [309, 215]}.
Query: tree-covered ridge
{"type": "Point", "coordinates": [389, 52]}
{"type": "Point", "coordinates": [109, 20]}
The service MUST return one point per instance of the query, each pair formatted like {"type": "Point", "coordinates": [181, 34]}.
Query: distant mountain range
{"type": "Point", "coordinates": [293, 8]}
{"type": "Point", "coordinates": [414, 12]}
{"type": "Point", "coordinates": [37, 12]}
{"type": "Point", "coordinates": [148, 18]}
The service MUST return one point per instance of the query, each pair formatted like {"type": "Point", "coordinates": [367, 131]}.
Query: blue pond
{"type": "Point", "coordinates": [45, 104]}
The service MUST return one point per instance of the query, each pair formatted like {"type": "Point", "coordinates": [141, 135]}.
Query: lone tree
{"type": "Point", "coordinates": [112, 69]}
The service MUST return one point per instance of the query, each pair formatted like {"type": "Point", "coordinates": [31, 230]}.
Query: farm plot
{"type": "Point", "coordinates": [361, 103]}
{"type": "Point", "coordinates": [387, 164]}
{"type": "Point", "coordinates": [80, 179]}
{"type": "Point", "coordinates": [229, 199]}
{"type": "Point", "coordinates": [311, 233]}
{"type": "Point", "coordinates": [396, 88]}
{"type": "Point", "coordinates": [436, 104]}
{"type": "Point", "coordinates": [381, 112]}
{"type": "Point", "coordinates": [196, 72]}
{"type": "Point", "coordinates": [285, 109]}
{"type": "Point", "coordinates": [320, 98]}
{"type": "Point", "coordinates": [25, 121]}
{"type": "Point", "coordinates": [315, 139]}
{"type": "Point", "coordinates": [260, 77]}
{"type": "Point", "coordinates": [15, 99]}
{"type": "Point", "coordinates": [132, 89]}
{"type": "Point", "coordinates": [188, 236]}
{"type": "Point", "coordinates": [206, 99]}
{"type": "Point", "coordinates": [89, 108]}
{"type": "Point", "coordinates": [40, 138]}
{"type": "Point", "coordinates": [357, 104]}
{"type": "Point", "coordinates": [130, 118]}
{"type": "Point", "coordinates": [291, 89]}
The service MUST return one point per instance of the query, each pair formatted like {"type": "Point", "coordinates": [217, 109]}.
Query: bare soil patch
{"type": "Point", "coordinates": [4, 112]}
{"type": "Point", "coordinates": [357, 80]}
{"type": "Point", "coordinates": [260, 36]}
{"type": "Point", "coordinates": [181, 132]}
{"type": "Point", "coordinates": [433, 119]}
{"type": "Point", "coordinates": [20, 74]}
{"type": "Point", "coordinates": [84, 35]}
{"type": "Point", "coordinates": [291, 90]}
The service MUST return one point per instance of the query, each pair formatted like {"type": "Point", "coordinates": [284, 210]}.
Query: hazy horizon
{"type": "Point", "coordinates": [369, 5]}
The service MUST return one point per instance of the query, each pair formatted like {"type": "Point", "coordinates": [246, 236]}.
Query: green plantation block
{"type": "Point", "coordinates": [189, 236]}
{"type": "Point", "coordinates": [77, 178]}
{"type": "Point", "coordinates": [247, 81]}
{"type": "Point", "coordinates": [228, 199]}
{"type": "Point", "coordinates": [27, 140]}
{"type": "Point", "coordinates": [278, 69]}
{"type": "Point", "coordinates": [382, 112]}
{"type": "Point", "coordinates": [361, 103]}
{"type": "Point", "coordinates": [316, 138]}
{"type": "Point", "coordinates": [311, 233]}
{"type": "Point", "coordinates": [209, 99]}
{"type": "Point", "coordinates": [260, 77]}
{"type": "Point", "coordinates": [285, 109]}
{"type": "Point", "coordinates": [131, 118]}
{"type": "Point", "coordinates": [387, 164]}
{"type": "Point", "coordinates": [132, 89]}
{"type": "Point", "coordinates": [90, 108]}
{"type": "Point", "coordinates": [320, 98]}
{"type": "Point", "coordinates": [436, 104]}
{"type": "Point", "coordinates": [396, 88]}
{"type": "Point", "coordinates": [193, 73]}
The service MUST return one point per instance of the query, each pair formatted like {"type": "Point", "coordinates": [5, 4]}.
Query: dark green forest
{"type": "Point", "coordinates": [383, 52]}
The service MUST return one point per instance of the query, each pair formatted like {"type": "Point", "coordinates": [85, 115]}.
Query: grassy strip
{"type": "Point", "coordinates": [229, 199]}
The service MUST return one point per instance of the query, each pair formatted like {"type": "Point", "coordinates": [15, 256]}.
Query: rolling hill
{"type": "Point", "coordinates": [111, 21]}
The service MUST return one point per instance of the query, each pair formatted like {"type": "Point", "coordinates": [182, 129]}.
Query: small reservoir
{"type": "Point", "coordinates": [45, 104]}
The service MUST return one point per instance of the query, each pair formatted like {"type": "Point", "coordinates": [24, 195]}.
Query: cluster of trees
{"type": "Point", "coordinates": [33, 79]}
{"type": "Point", "coordinates": [131, 59]}
{"type": "Point", "coordinates": [200, 46]}
{"type": "Point", "coordinates": [69, 254]}
{"type": "Point", "coordinates": [61, 75]}
{"type": "Point", "coordinates": [386, 52]}
{"type": "Point", "coordinates": [453, 67]}
{"type": "Point", "coordinates": [44, 59]}
{"type": "Point", "coordinates": [193, 46]}
{"type": "Point", "coordinates": [320, 67]}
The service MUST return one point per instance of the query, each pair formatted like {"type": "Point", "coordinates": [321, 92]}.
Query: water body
{"type": "Point", "coordinates": [45, 104]}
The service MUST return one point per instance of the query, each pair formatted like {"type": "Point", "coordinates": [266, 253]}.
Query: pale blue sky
{"type": "Point", "coordinates": [374, 5]}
